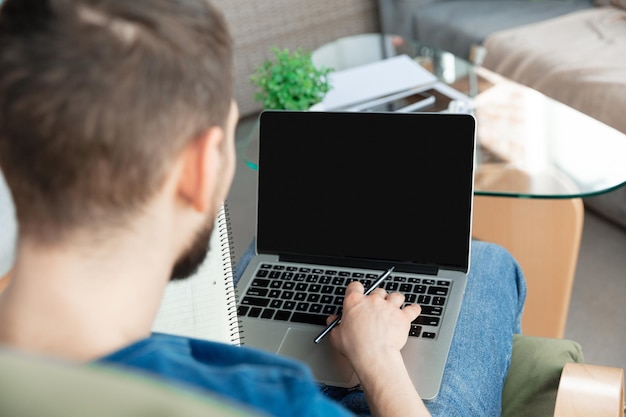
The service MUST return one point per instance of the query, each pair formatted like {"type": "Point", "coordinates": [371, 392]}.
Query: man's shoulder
{"type": "Point", "coordinates": [160, 348]}
{"type": "Point", "coordinates": [265, 381]}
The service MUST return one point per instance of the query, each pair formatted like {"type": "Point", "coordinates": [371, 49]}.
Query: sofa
{"type": "Point", "coordinates": [573, 51]}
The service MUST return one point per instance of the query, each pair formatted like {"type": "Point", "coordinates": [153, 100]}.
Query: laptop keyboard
{"type": "Point", "coordinates": [310, 295]}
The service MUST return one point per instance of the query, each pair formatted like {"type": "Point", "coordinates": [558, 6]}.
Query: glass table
{"type": "Point", "coordinates": [528, 145]}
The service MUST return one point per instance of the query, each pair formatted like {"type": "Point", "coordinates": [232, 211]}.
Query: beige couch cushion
{"type": "Point", "coordinates": [615, 3]}
{"type": "Point", "coordinates": [578, 59]}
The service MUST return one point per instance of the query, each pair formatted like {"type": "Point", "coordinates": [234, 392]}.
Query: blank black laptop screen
{"type": "Point", "coordinates": [347, 185]}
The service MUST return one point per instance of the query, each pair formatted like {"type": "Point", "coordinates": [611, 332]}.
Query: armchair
{"type": "Point", "coordinates": [64, 389]}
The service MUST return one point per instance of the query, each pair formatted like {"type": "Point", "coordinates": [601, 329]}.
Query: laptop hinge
{"type": "Point", "coordinates": [362, 263]}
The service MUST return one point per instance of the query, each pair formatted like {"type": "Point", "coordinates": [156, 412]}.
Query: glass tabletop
{"type": "Point", "coordinates": [528, 145]}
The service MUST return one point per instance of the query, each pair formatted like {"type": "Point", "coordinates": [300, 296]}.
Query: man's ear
{"type": "Point", "coordinates": [201, 166]}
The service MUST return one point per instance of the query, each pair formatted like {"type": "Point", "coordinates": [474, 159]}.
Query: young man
{"type": "Point", "coordinates": [117, 141]}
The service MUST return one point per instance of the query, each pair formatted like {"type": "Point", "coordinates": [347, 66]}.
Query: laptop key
{"type": "Point", "coordinates": [315, 308]}
{"type": "Point", "coordinates": [261, 282]}
{"type": "Point", "coordinates": [432, 310]}
{"type": "Point", "coordinates": [287, 295]}
{"type": "Point", "coordinates": [273, 294]}
{"type": "Point", "coordinates": [438, 291]}
{"type": "Point", "coordinates": [268, 313]}
{"type": "Point", "coordinates": [326, 299]}
{"type": "Point", "coordinates": [255, 301]}
{"type": "Point", "coordinates": [282, 315]}
{"type": "Point", "coordinates": [313, 298]}
{"type": "Point", "coordinates": [423, 299]}
{"type": "Point", "coordinates": [309, 318]}
{"type": "Point", "coordinates": [328, 310]}
{"type": "Point", "coordinates": [439, 301]}
{"type": "Point", "coordinates": [427, 320]}
{"type": "Point", "coordinates": [275, 274]}
{"type": "Point", "coordinates": [312, 278]}
{"type": "Point", "coordinates": [339, 281]}
{"type": "Point", "coordinates": [420, 289]}
{"type": "Point", "coordinates": [328, 289]}
{"type": "Point", "coordinates": [415, 330]}
{"type": "Point", "coordinates": [257, 292]}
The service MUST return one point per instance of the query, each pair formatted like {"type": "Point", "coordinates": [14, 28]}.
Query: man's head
{"type": "Point", "coordinates": [98, 98]}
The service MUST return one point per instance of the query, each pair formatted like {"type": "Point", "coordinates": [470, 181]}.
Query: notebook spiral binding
{"type": "Point", "coordinates": [228, 259]}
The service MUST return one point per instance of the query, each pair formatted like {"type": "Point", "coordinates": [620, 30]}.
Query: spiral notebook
{"type": "Point", "coordinates": [204, 305]}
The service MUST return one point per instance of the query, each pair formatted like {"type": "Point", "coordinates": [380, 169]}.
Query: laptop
{"type": "Point", "coordinates": [345, 196]}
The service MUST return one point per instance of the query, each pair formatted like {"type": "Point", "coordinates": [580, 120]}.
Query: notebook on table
{"type": "Point", "coordinates": [347, 195]}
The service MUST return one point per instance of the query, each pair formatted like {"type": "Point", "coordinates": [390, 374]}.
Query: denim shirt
{"type": "Point", "coordinates": [266, 382]}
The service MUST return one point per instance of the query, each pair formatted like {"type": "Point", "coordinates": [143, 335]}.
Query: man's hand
{"type": "Point", "coordinates": [372, 325]}
{"type": "Point", "coordinates": [372, 332]}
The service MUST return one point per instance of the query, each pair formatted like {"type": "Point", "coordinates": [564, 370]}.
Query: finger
{"type": "Point", "coordinates": [412, 311]}
{"type": "Point", "coordinates": [330, 319]}
{"type": "Point", "coordinates": [396, 298]}
{"type": "Point", "coordinates": [380, 292]}
{"type": "Point", "coordinates": [354, 287]}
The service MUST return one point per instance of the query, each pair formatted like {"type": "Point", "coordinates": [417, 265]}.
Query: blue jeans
{"type": "Point", "coordinates": [480, 354]}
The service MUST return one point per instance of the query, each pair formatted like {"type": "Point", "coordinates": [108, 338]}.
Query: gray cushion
{"type": "Point", "coordinates": [455, 25]}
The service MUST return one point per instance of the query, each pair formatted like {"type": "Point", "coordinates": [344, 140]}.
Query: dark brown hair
{"type": "Point", "coordinates": [97, 97]}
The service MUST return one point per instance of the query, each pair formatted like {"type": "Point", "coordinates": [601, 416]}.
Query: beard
{"type": "Point", "coordinates": [191, 259]}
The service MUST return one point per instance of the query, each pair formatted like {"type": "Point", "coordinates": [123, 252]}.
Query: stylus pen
{"type": "Point", "coordinates": [372, 287]}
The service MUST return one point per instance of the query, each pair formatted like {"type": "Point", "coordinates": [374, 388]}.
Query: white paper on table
{"type": "Point", "coordinates": [378, 79]}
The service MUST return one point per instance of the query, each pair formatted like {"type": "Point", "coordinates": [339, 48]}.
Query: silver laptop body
{"type": "Point", "coordinates": [346, 195]}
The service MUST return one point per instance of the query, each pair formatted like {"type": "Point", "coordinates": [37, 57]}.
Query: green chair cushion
{"type": "Point", "coordinates": [533, 379]}
{"type": "Point", "coordinates": [34, 386]}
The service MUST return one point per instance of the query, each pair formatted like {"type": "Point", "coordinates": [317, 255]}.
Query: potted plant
{"type": "Point", "coordinates": [290, 81]}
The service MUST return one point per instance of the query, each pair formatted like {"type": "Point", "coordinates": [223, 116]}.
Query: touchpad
{"type": "Point", "coordinates": [328, 365]}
